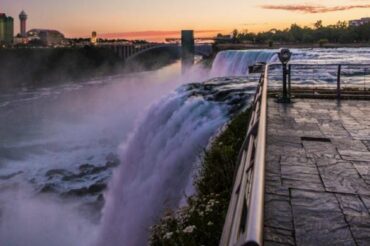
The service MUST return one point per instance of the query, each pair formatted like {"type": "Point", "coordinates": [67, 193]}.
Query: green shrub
{"type": "Point", "coordinates": [270, 43]}
{"type": "Point", "coordinates": [322, 42]}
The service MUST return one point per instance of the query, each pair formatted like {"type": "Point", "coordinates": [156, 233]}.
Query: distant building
{"type": "Point", "coordinates": [359, 22]}
{"type": "Point", "coordinates": [46, 37]}
{"type": "Point", "coordinates": [23, 23]}
{"type": "Point", "coordinates": [6, 29]}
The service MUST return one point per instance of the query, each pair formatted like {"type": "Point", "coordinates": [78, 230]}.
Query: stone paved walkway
{"type": "Point", "coordinates": [318, 173]}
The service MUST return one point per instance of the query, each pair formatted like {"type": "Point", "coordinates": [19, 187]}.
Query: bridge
{"type": "Point", "coordinates": [304, 169]}
{"type": "Point", "coordinates": [128, 52]}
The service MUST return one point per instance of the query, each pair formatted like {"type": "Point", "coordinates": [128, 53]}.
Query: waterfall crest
{"type": "Point", "coordinates": [236, 62]}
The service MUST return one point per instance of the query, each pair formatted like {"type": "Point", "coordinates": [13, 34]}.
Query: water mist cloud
{"type": "Point", "coordinates": [42, 222]}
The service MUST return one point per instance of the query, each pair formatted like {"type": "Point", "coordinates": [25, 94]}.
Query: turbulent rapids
{"type": "Point", "coordinates": [98, 163]}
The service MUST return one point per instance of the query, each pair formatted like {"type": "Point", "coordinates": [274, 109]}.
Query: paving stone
{"type": "Point", "coordinates": [297, 170]}
{"type": "Point", "coordinates": [271, 243]}
{"type": "Point", "coordinates": [366, 200]}
{"type": "Point", "coordinates": [318, 219]}
{"type": "Point", "coordinates": [360, 227]}
{"type": "Point", "coordinates": [366, 143]}
{"type": "Point", "coordinates": [352, 155]}
{"type": "Point", "coordinates": [273, 168]}
{"type": "Point", "coordinates": [276, 189]}
{"type": "Point", "coordinates": [334, 130]}
{"type": "Point", "coordinates": [287, 151]}
{"type": "Point", "coordinates": [343, 177]}
{"type": "Point", "coordinates": [273, 178]}
{"type": "Point", "coordinates": [363, 168]}
{"type": "Point", "coordinates": [278, 212]}
{"type": "Point", "coordinates": [352, 205]}
{"type": "Point", "coordinates": [315, 185]}
{"type": "Point", "coordinates": [327, 160]}
{"type": "Point", "coordinates": [280, 236]}
{"type": "Point", "coordinates": [297, 159]}
{"type": "Point", "coordinates": [349, 144]}
{"type": "Point", "coordinates": [293, 141]}
{"type": "Point", "coordinates": [316, 149]}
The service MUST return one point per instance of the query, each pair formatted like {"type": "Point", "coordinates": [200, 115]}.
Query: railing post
{"type": "Point", "coordinates": [338, 81]}
{"type": "Point", "coordinates": [285, 91]}
{"type": "Point", "coordinates": [289, 81]}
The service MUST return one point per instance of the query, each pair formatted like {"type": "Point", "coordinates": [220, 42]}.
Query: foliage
{"type": "Point", "coordinates": [341, 32]}
{"type": "Point", "coordinates": [322, 42]}
{"type": "Point", "coordinates": [40, 66]}
{"type": "Point", "coordinates": [201, 221]}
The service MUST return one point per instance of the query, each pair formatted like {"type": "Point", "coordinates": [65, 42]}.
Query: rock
{"type": "Point", "coordinates": [112, 160]}
{"type": "Point", "coordinates": [91, 190]}
{"type": "Point", "coordinates": [9, 176]}
{"type": "Point", "coordinates": [58, 172]}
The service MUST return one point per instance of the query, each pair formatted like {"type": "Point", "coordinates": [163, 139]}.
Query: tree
{"type": "Point", "coordinates": [235, 36]}
{"type": "Point", "coordinates": [318, 24]}
{"type": "Point", "coordinates": [340, 32]}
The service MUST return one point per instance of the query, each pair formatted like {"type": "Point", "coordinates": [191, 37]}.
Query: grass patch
{"type": "Point", "coordinates": [201, 221]}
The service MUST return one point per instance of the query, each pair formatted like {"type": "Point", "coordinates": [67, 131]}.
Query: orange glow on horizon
{"type": "Point", "coordinates": [156, 20]}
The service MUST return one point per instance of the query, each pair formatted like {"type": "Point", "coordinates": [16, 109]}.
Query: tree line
{"type": "Point", "coordinates": [340, 32]}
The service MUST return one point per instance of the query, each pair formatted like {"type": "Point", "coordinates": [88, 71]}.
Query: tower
{"type": "Point", "coordinates": [23, 21]}
{"type": "Point", "coordinates": [6, 29]}
{"type": "Point", "coordinates": [93, 38]}
{"type": "Point", "coordinates": [187, 49]}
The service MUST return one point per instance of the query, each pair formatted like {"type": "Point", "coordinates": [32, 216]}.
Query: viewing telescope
{"type": "Point", "coordinates": [284, 57]}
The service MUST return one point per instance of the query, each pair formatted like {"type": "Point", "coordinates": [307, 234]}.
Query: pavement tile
{"type": "Point", "coordinates": [318, 219]}
{"type": "Point", "coordinates": [317, 191]}
{"type": "Point", "coordinates": [278, 212]}
{"type": "Point", "coordinates": [280, 236]}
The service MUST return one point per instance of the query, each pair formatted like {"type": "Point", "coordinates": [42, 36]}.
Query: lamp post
{"type": "Point", "coordinates": [284, 57]}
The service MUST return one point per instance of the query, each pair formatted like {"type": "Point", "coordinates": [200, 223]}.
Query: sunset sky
{"type": "Point", "coordinates": [164, 18]}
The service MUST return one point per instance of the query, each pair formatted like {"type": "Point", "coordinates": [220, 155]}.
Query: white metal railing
{"type": "Point", "coordinates": [244, 219]}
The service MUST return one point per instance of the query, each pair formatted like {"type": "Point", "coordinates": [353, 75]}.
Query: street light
{"type": "Point", "coordinates": [284, 57]}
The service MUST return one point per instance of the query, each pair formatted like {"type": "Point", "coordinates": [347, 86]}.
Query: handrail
{"type": "Point", "coordinates": [342, 71]}
{"type": "Point", "coordinates": [321, 64]}
{"type": "Point", "coordinates": [244, 219]}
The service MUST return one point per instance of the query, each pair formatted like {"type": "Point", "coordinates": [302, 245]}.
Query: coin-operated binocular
{"type": "Point", "coordinates": [284, 57]}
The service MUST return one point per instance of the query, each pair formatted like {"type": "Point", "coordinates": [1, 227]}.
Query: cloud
{"type": "Point", "coordinates": [255, 24]}
{"type": "Point", "coordinates": [314, 9]}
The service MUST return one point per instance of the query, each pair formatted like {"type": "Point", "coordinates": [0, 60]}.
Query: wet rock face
{"type": "Point", "coordinates": [235, 92]}
{"type": "Point", "coordinates": [10, 176]}
{"type": "Point", "coordinates": [317, 173]}
{"type": "Point", "coordinates": [88, 180]}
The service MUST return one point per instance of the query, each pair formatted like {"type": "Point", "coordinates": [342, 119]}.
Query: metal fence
{"type": "Point", "coordinates": [338, 78]}
{"type": "Point", "coordinates": [244, 220]}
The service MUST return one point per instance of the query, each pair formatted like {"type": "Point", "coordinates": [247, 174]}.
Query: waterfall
{"type": "Point", "coordinates": [159, 158]}
{"type": "Point", "coordinates": [236, 63]}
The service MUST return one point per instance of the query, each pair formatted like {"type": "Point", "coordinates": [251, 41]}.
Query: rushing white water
{"type": "Point", "coordinates": [321, 69]}
{"type": "Point", "coordinates": [159, 158]}
{"type": "Point", "coordinates": [236, 63]}
{"type": "Point", "coordinates": [156, 163]}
